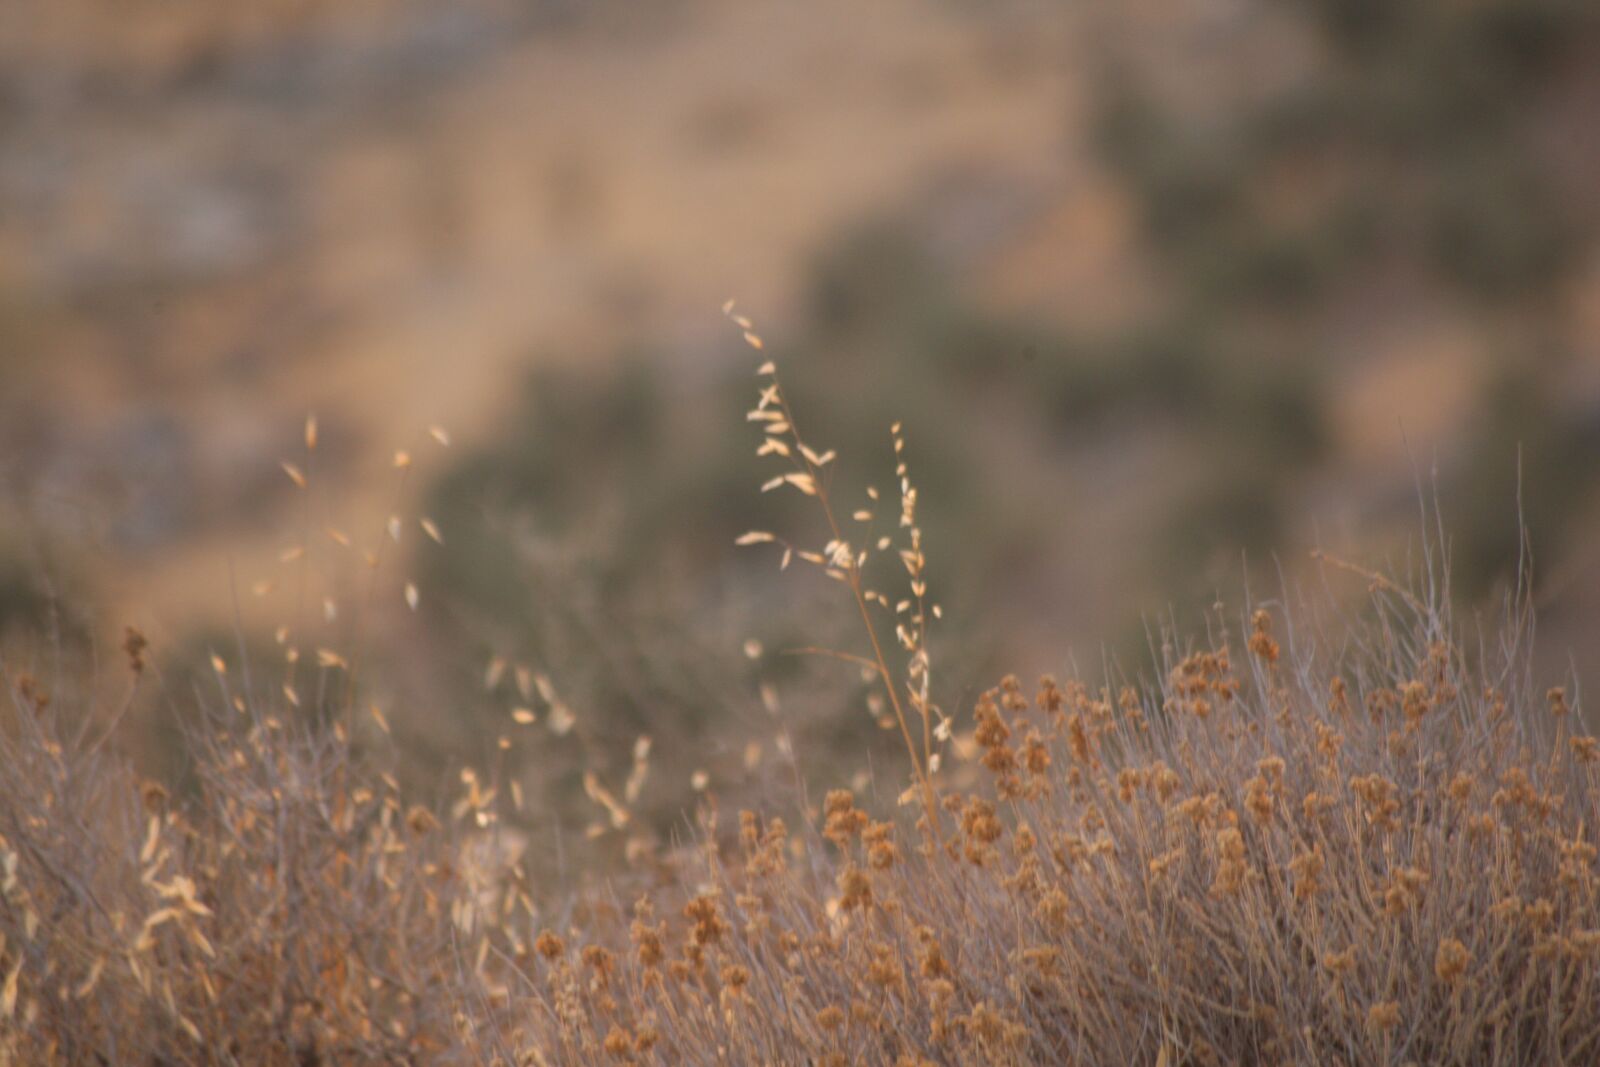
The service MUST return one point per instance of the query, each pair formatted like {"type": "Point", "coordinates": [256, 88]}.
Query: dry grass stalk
{"type": "Point", "coordinates": [844, 561]}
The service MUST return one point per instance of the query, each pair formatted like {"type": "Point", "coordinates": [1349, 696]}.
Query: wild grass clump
{"type": "Point", "coordinates": [289, 911]}
{"type": "Point", "coordinates": [1360, 839]}
{"type": "Point", "coordinates": [1355, 851]}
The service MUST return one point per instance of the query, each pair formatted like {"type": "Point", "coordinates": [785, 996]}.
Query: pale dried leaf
{"type": "Point", "coordinates": [600, 795]}
{"type": "Point", "coordinates": [8, 992]}
{"type": "Point", "coordinates": [803, 482]}
{"type": "Point", "coordinates": [90, 980]}
{"type": "Point", "coordinates": [561, 719]}
{"type": "Point", "coordinates": [152, 838]}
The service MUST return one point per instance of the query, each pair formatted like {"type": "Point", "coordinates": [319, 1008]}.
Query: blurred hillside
{"type": "Point", "coordinates": [1164, 294]}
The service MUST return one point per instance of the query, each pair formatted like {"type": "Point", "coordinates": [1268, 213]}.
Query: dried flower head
{"type": "Point", "coordinates": [1261, 642]}
{"type": "Point", "coordinates": [549, 945]}
{"type": "Point", "coordinates": [1450, 961]}
{"type": "Point", "coordinates": [1383, 1016]}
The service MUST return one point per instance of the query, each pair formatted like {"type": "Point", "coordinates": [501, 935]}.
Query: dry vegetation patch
{"type": "Point", "coordinates": [1353, 847]}
{"type": "Point", "coordinates": [1370, 857]}
{"type": "Point", "coordinates": [1359, 839]}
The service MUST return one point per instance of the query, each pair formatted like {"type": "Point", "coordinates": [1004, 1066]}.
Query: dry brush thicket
{"type": "Point", "coordinates": [1360, 840]}
{"type": "Point", "coordinates": [1364, 853]}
